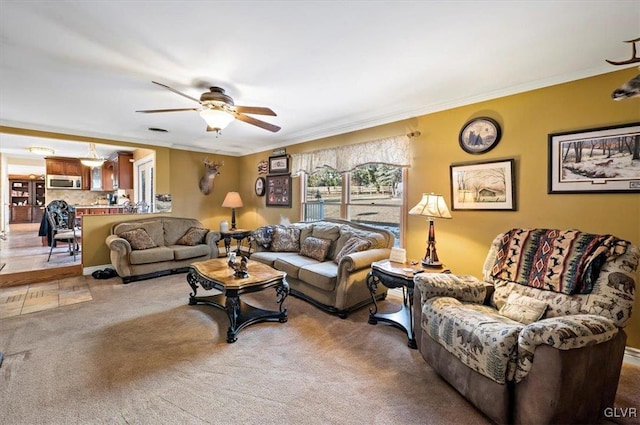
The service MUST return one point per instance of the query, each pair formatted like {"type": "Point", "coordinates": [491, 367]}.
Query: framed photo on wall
{"type": "Point", "coordinates": [598, 160]}
{"type": "Point", "coordinates": [488, 185]}
{"type": "Point", "coordinates": [278, 191]}
{"type": "Point", "coordinates": [279, 164]}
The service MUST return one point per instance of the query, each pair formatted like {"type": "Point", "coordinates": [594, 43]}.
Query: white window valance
{"type": "Point", "coordinates": [395, 151]}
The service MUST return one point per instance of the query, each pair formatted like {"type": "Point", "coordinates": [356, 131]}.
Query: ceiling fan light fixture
{"type": "Point", "coordinates": [217, 119]}
{"type": "Point", "coordinates": [92, 160]}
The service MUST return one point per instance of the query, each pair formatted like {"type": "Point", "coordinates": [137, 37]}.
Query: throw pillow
{"type": "Point", "coordinates": [285, 239]}
{"type": "Point", "coordinates": [193, 236]}
{"type": "Point", "coordinates": [138, 239]}
{"type": "Point", "coordinates": [316, 248]}
{"type": "Point", "coordinates": [262, 236]}
{"type": "Point", "coordinates": [523, 309]}
{"type": "Point", "coordinates": [354, 244]}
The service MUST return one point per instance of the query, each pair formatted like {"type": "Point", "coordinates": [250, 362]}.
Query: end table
{"type": "Point", "coordinates": [238, 235]}
{"type": "Point", "coordinates": [396, 275]}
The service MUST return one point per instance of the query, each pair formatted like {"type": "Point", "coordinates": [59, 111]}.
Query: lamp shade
{"type": "Point", "coordinates": [216, 118]}
{"type": "Point", "coordinates": [431, 205]}
{"type": "Point", "coordinates": [232, 200]}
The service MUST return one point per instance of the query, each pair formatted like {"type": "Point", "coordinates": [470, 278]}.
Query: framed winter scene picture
{"type": "Point", "coordinates": [599, 160]}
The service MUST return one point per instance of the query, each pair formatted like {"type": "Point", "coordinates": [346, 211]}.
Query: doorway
{"type": "Point", "coordinates": [143, 181]}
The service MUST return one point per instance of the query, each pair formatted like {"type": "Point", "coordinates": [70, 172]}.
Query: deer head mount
{"type": "Point", "coordinates": [211, 170]}
{"type": "Point", "coordinates": [632, 87]}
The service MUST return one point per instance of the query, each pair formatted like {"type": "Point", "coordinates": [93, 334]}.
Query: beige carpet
{"type": "Point", "coordinates": [138, 354]}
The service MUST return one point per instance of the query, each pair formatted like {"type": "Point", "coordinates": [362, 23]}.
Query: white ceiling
{"type": "Point", "coordinates": [325, 67]}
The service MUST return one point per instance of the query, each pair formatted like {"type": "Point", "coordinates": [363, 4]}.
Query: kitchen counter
{"type": "Point", "coordinates": [98, 209]}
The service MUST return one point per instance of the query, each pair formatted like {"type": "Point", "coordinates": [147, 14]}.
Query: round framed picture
{"type": "Point", "coordinates": [259, 186]}
{"type": "Point", "coordinates": [479, 135]}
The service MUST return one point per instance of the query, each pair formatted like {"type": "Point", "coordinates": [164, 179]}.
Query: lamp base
{"type": "Point", "coordinates": [430, 263]}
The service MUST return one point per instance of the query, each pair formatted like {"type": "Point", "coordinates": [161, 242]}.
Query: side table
{"type": "Point", "coordinates": [239, 235]}
{"type": "Point", "coordinates": [396, 275]}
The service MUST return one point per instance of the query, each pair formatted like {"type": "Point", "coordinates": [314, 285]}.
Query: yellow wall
{"type": "Point", "coordinates": [526, 120]}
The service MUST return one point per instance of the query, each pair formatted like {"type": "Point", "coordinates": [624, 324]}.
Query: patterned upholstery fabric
{"type": "Point", "coordinates": [262, 236]}
{"type": "Point", "coordinates": [612, 294]}
{"type": "Point", "coordinates": [465, 288]}
{"type": "Point", "coordinates": [354, 244]}
{"type": "Point", "coordinates": [523, 309]}
{"type": "Point", "coordinates": [566, 261]}
{"type": "Point", "coordinates": [139, 239]}
{"type": "Point", "coordinates": [569, 321]}
{"type": "Point", "coordinates": [563, 333]}
{"type": "Point", "coordinates": [193, 236]}
{"type": "Point", "coordinates": [315, 248]}
{"type": "Point", "coordinates": [476, 334]}
{"type": "Point", "coordinates": [285, 239]}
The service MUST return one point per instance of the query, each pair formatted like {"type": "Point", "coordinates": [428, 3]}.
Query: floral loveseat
{"type": "Point", "coordinates": [156, 246]}
{"type": "Point", "coordinates": [540, 338]}
{"type": "Point", "coordinates": [326, 261]}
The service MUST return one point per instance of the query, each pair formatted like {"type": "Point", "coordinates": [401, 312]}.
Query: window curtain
{"type": "Point", "coordinates": [395, 151]}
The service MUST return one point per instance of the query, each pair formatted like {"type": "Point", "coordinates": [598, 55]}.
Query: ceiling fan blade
{"type": "Point", "coordinates": [176, 91]}
{"type": "Point", "coordinates": [258, 110]}
{"type": "Point", "coordinates": [152, 111]}
{"type": "Point", "coordinates": [256, 122]}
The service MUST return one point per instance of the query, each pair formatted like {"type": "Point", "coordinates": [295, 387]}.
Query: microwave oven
{"type": "Point", "coordinates": [64, 182]}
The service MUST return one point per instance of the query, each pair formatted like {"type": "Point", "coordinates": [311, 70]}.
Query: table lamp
{"type": "Point", "coordinates": [432, 206]}
{"type": "Point", "coordinates": [233, 201]}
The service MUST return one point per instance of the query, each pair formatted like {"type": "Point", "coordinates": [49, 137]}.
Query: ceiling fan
{"type": "Point", "coordinates": [218, 110]}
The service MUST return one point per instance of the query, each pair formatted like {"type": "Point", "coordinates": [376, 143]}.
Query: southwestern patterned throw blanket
{"type": "Point", "coordinates": [566, 261]}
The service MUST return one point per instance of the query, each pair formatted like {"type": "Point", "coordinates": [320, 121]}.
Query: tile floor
{"type": "Point", "coordinates": [23, 251]}
{"type": "Point", "coordinates": [17, 300]}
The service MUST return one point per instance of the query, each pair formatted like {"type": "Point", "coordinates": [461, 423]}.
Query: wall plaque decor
{"type": "Point", "coordinates": [479, 135]}
{"type": "Point", "coordinates": [278, 164]}
{"type": "Point", "coordinates": [488, 185]}
{"type": "Point", "coordinates": [279, 191]}
{"type": "Point", "coordinates": [598, 160]}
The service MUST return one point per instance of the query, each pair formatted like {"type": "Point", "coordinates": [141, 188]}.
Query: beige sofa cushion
{"type": "Point", "coordinates": [184, 252]}
{"type": "Point", "coordinates": [268, 257]}
{"type": "Point", "coordinates": [153, 255]}
{"type": "Point", "coordinates": [291, 264]}
{"type": "Point", "coordinates": [321, 275]}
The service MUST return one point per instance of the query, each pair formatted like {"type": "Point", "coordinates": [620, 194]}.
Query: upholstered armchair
{"type": "Point", "coordinates": [539, 338]}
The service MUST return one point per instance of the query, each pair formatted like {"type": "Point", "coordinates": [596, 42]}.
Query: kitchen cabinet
{"type": "Point", "coordinates": [60, 166]}
{"type": "Point", "coordinates": [26, 199]}
{"type": "Point", "coordinates": [120, 166]}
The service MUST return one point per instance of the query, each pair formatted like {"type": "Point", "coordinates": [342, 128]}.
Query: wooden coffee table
{"type": "Point", "coordinates": [215, 274]}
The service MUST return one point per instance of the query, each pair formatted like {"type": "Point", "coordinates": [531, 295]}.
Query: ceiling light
{"type": "Point", "coordinates": [92, 160]}
{"type": "Point", "coordinates": [41, 150]}
{"type": "Point", "coordinates": [217, 119]}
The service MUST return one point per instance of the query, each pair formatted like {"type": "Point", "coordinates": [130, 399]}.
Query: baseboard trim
{"type": "Point", "coordinates": [632, 356]}
{"type": "Point", "coordinates": [88, 270]}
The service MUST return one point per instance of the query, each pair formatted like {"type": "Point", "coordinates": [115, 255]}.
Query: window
{"type": "Point", "coordinates": [343, 182]}
{"type": "Point", "coordinates": [323, 195]}
{"type": "Point", "coordinates": [373, 196]}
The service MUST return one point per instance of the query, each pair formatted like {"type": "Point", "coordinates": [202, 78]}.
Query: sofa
{"type": "Point", "coordinates": [326, 261]}
{"type": "Point", "coordinates": [157, 246]}
{"type": "Point", "coordinates": [540, 337]}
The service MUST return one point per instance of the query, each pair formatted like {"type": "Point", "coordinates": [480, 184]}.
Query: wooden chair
{"type": "Point", "coordinates": [60, 231]}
